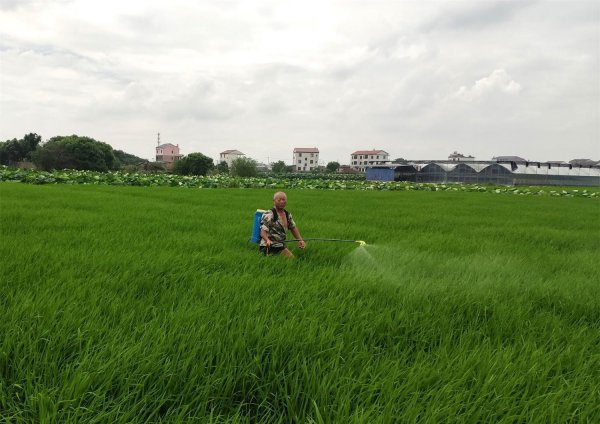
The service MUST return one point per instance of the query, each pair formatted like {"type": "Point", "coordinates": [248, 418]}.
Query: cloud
{"type": "Point", "coordinates": [14, 5]}
{"type": "Point", "coordinates": [497, 82]}
{"type": "Point", "coordinates": [417, 79]}
{"type": "Point", "coordinates": [473, 16]}
{"type": "Point", "coordinates": [199, 101]}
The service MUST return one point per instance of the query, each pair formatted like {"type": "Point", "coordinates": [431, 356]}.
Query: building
{"type": "Point", "coordinates": [167, 153]}
{"type": "Point", "coordinates": [305, 159]}
{"type": "Point", "coordinates": [509, 159]}
{"type": "Point", "coordinates": [360, 159]}
{"type": "Point", "coordinates": [584, 162]}
{"type": "Point", "coordinates": [229, 156]}
{"type": "Point", "coordinates": [347, 169]}
{"type": "Point", "coordinates": [488, 172]}
{"type": "Point", "coordinates": [263, 167]}
{"type": "Point", "coordinates": [459, 157]}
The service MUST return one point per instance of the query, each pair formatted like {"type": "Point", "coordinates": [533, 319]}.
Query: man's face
{"type": "Point", "coordinates": [280, 201]}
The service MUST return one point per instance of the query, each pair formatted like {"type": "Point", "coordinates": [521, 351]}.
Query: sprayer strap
{"type": "Point", "coordinates": [276, 215]}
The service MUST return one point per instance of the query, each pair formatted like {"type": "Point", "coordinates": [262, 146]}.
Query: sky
{"type": "Point", "coordinates": [418, 79]}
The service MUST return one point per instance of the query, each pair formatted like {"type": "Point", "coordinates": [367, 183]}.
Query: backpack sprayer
{"type": "Point", "coordinates": [255, 238]}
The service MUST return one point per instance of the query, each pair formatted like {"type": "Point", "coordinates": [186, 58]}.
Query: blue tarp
{"type": "Point", "coordinates": [380, 174]}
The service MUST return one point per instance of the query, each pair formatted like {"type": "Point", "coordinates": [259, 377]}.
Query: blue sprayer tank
{"type": "Point", "coordinates": [256, 229]}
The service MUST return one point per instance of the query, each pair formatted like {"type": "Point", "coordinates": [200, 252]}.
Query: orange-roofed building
{"type": "Point", "coordinates": [360, 159]}
{"type": "Point", "coordinates": [305, 159]}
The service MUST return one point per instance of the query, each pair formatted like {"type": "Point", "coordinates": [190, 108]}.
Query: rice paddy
{"type": "Point", "coordinates": [148, 304]}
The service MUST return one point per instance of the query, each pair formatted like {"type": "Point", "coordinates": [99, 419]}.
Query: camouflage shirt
{"type": "Point", "coordinates": [276, 229]}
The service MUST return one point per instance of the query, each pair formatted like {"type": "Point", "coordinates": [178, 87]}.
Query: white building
{"type": "Point", "coordinates": [229, 156]}
{"type": "Point", "coordinates": [459, 157]}
{"type": "Point", "coordinates": [360, 159]}
{"type": "Point", "coordinates": [305, 159]}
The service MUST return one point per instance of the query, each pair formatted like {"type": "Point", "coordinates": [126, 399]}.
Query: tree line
{"type": "Point", "coordinates": [65, 152]}
{"type": "Point", "coordinates": [86, 153]}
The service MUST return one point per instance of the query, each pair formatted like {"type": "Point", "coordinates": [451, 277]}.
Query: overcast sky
{"type": "Point", "coordinates": [419, 79]}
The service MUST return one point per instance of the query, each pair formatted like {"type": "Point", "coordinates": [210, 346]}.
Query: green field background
{"type": "Point", "coordinates": [148, 304]}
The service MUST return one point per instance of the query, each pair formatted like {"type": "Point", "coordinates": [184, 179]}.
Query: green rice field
{"type": "Point", "coordinates": [149, 305]}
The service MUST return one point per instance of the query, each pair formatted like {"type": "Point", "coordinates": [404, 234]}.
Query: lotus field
{"type": "Point", "coordinates": [274, 181]}
{"type": "Point", "coordinates": [125, 304]}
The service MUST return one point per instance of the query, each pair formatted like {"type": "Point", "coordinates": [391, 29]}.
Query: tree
{"type": "Point", "coordinates": [52, 155]}
{"type": "Point", "coordinates": [124, 158]}
{"type": "Point", "coordinates": [75, 152]}
{"type": "Point", "coordinates": [30, 142]}
{"type": "Point", "coordinates": [152, 166]}
{"type": "Point", "coordinates": [333, 166]}
{"type": "Point", "coordinates": [193, 164]}
{"type": "Point", "coordinates": [14, 150]}
{"type": "Point", "coordinates": [243, 167]}
{"type": "Point", "coordinates": [222, 167]}
{"type": "Point", "coordinates": [279, 167]}
{"type": "Point", "coordinates": [10, 151]}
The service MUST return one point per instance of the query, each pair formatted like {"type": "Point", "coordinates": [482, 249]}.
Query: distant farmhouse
{"type": "Point", "coordinates": [361, 159]}
{"type": "Point", "coordinates": [167, 154]}
{"type": "Point", "coordinates": [459, 157]}
{"type": "Point", "coordinates": [229, 156]}
{"type": "Point", "coordinates": [305, 159]}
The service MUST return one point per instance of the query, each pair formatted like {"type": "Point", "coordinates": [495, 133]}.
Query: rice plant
{"type": "Point", "coordinates": [148, 304]}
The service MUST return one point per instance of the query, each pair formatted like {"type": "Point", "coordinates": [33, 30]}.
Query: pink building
{"type": "Point", "coordinates": [167, 153]}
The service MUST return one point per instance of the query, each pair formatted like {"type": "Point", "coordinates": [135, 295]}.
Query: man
{"type": "Point", "coordinates": [273, 228]}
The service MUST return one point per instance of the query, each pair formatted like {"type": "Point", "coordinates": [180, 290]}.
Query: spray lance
{"type": "Point", "coordinates": [360, 242]}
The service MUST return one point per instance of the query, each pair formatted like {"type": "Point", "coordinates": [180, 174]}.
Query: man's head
{"type": "Point", "coordinates": [279, 200]}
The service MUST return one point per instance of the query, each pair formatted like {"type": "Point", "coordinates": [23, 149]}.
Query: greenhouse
{"type": "Point", "coordinates": [505, 173]}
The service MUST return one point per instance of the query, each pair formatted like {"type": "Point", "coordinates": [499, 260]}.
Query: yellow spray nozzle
{"type": "Point", "coordinates": [361, 243]}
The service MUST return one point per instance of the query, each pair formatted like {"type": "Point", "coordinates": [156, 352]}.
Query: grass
{"type": "Point", "coordinates": [128, 304]}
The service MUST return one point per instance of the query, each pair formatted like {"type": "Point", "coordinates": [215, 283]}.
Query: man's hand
{"type": "Point", "coordinates": [268, 242]}
{"type": "Point", "coordinates": [301, 244]}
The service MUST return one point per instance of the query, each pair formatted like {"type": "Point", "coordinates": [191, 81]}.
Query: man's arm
{"type": "Point", "coordinates": [297, 236]}
{"type": "Point", "coordinates": [265, 236]}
